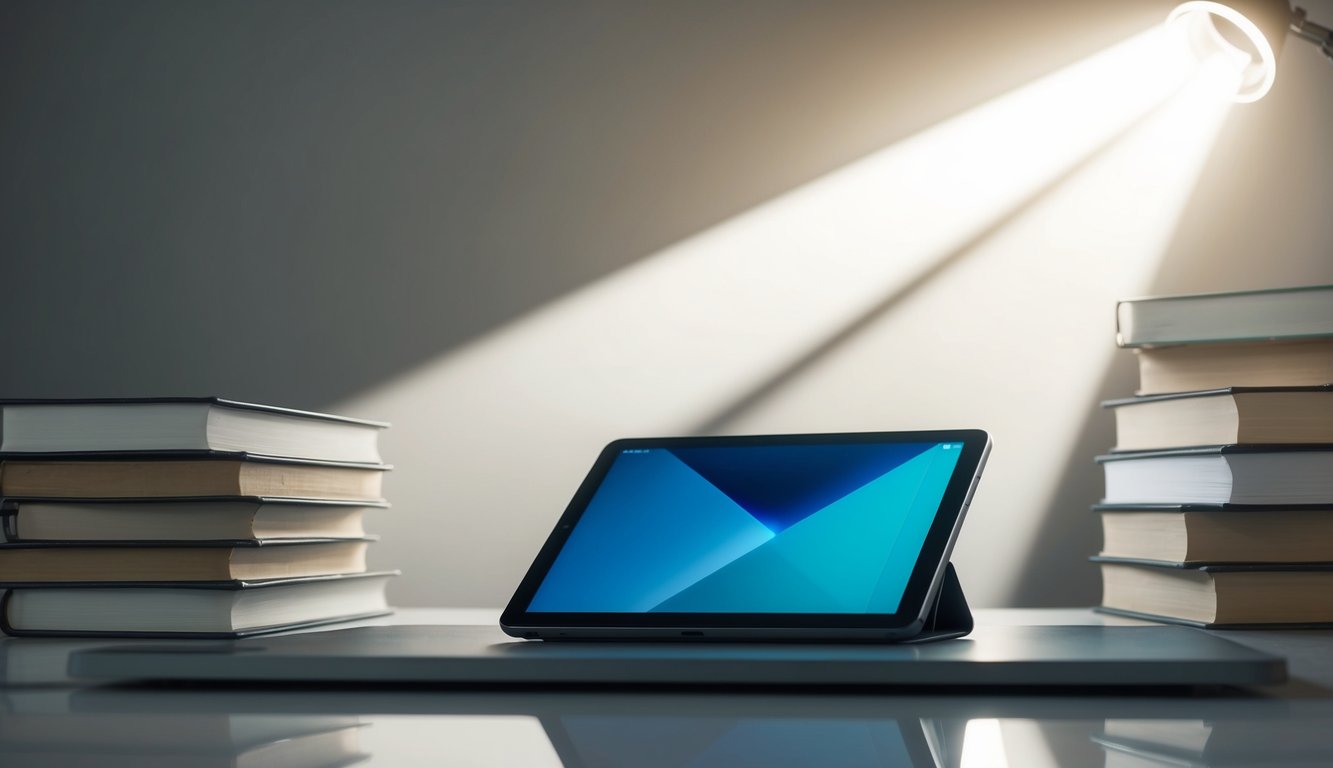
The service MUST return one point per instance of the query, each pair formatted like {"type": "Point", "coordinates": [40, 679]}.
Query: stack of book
{"type": "Point", "coordinates": [1219, 492]}
{"type": "Point", "coordinates": [184, 516]}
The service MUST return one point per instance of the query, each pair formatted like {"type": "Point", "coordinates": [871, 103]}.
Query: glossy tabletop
{"type": "Point", "coordinates": [48, 720]}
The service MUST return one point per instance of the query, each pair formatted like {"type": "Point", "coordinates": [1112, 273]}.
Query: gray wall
{"type": "Point", "coordinates": [291, 201]}
{"type": "Point", "coordinates": [304, 202]}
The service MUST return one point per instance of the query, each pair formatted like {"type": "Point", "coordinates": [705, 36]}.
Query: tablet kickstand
{"type": "Point", "coordinates": [950, 617]}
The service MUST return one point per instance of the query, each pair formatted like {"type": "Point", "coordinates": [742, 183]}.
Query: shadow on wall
{"type": "Point", "coordinates": [293, 202]}
{"type": "Point", "coordinates": [1057, 572]}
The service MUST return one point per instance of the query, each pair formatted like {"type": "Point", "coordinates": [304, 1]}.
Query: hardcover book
{"type": "Point", "coordinates": [1219, 595]}
{"type": "Point", "coordinates": [177, 476]}
{"type": "Point", "coordinates": [1253, 415]}
{"type": "Point", "coordinates": [1248, 364]}
{"type": "Point", "coordinates": [63, 562]}
{"type": "Point", "coordinates": [223, 518]}
{"type": "Point", "coordinates": [223, 608]}
{"type": "Point", "coordinates": [184, 424]}
{"type": "Point", "coordinates": [1195, 534]}
{"type": "Point", "coordinates": [1278, 313]}
{"type": "Point", "coordinates": [1228, 474]}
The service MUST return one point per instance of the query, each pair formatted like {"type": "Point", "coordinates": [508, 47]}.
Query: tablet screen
{"type": "Point", "coordinates": [805, 525]}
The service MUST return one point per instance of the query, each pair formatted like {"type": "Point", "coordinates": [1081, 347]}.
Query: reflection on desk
{"type": "Point", "coordinates": [51, 727]}
{"type": "Point", "coordinates": [145, 727]}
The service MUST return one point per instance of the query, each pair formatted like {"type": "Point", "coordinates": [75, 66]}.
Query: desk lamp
{"type": "Point", "coordinates": [1249, 33]}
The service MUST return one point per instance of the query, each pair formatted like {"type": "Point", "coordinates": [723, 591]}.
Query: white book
{"type": "Point", "coordinates": [217, 609]}
{"type": "Point", "coordinates": [1221, 475]}
{"type": "Point", "coordinates": [184, 424]}
{"type": "Point", "coordinates": [1279, 313]}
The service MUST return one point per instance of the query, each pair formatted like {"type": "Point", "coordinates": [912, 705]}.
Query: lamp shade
{"type": "Point", "coordinates": [1248, 33]}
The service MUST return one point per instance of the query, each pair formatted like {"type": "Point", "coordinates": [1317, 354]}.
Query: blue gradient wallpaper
{"type": "Point", "coordinates": [754, 529]}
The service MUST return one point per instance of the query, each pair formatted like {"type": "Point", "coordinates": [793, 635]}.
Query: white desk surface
{"type": "Point", "coordinates": [47, 720]}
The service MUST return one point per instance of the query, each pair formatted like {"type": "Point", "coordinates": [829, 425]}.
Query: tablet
{"type": "Point", "coordinates": [760, 537]}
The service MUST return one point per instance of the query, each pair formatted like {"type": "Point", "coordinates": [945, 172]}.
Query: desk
{"type": "Point", "coordinates": [72, 724]}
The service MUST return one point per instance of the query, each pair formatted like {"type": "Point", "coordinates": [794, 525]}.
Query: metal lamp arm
{"type": "Point", "coordinates": [1308, 30]}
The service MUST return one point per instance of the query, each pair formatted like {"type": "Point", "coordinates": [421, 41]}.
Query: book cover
{"type": "Point", "coordinates": [167, 518]}
{"type": "Point", "coordinates": [1211, 568]}
{"type": "Point", "coordinates": [1218, 595]}
{"type": "Point", "coordinates": [1233, 415]}
{"type": "Point", "coordinates": [184, 454]}
{"type": "Point", "coordinates": [31, 563]}
{"type": "Point", "coordinates": [317, 600]}
{"type": "Point", "coordinates": [1216, 392]}
{"type": "Point", "coordinates": [180, 474]}
{"type": "Point", "coordinates": [1216, 450]}
{"type": "Point", "coordinates": [1273, 535]}
{"type": "Point", "coordinates": [1276, 313]}
{"type": "Point", "coordinates": [1237, 474]}
{"type": "Point", "coordinates": [1192, 367]}
{"type": "Point", "coordinates": [205, 400]}
{"type": "Point", "coordinates": [178, 544]}
{"type": "Point", "coordinates": [56, 426]}
{"type": "Point", "coordinates": [1223, 507]}
{"type": "Point", "coordinates": [1168, 619]}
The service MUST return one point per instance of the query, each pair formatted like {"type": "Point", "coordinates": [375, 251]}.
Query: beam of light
{"type": "Point", "coordinates": [1018, 340]}
{"type": "Point", "coordinates": [479, 741]}
{"type": "Point", "coordinates": [983, 745]}
{"type": "Point", "coordinates": [500, 431]}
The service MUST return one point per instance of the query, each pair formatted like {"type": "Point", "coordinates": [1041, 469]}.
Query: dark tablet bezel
{"type": "Point", "coordinates": [907, 622]}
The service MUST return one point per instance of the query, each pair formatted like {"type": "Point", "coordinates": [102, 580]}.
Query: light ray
{"type": "Point", "coordinates": [500, 431]}
{"type": "Point", "coordinates": [983, 745]}
{"type": "Point", "coordinates": [1018, 340]}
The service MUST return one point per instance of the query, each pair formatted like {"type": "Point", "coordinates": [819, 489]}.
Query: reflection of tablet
{"type": "Point", "coordinates": [705, 741]}
{"type": "Point", "coordinates": [842, 536]}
